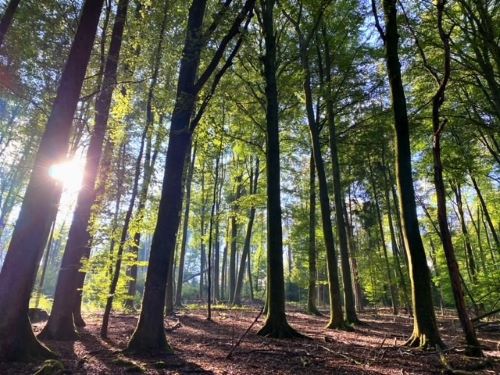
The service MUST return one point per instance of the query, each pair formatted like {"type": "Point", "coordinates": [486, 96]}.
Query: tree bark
{"type": "Point", "coordinates": [17, 341]}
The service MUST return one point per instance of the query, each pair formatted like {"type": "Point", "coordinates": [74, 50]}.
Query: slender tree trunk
{"type": "Point", "coordinates": [17, 341]}
{"type": "Point", "coordinates": [394, 245]}
{"type": "Point", "coordinates": [185, 225]}
{"type": "Point", "coordinates": [210, 241]}
{"type": "Point", "coordinates": [425, 331]}
{"type": "Point", "coordinates": [234, 236]}
{"type": "Point", "coordinates": [392, 287]}
{"type": "Point", "coordinates": [7, 18]}
{"type": "Point", "coordinates": [246, 246]}
{"type": "Point", "coordinates": [312, 256]}
{"type": "Point", "coordinates": [458, 196]}
{"type": "Point", "coordinates": [276, 324]}
{"type": "Point", "coordinates": [61, 324]}
{"type": "Point", "coordinates": [204, 199]}
{"type": "Point", "coordinates": [149, 162]}
{"type": "Point", "coordinates": [44, 264]}
{"type": "Point", "coordinates": [486, 213]}
{"type": "Point", "coordinates": [336, 315]}
{"type": "Point", "coordinates": [358, 293]}
{"type": "Point", "coordinates": [349, 303]}
{"type": "Point", "coordinates": [123, 236]}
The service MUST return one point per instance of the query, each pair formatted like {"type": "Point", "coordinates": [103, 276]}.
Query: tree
{"type": "Point", "coordinates": [425, 332]}
{"type": "Point", "coordinates": [7, 18]}
{"type": "Point", "coordinates": [61, 323]}
{"type": "Point", "coordinates": [149, 334]}
{"type": "Point", "coordinates": [276, 324]}
{"type": "Point", "coordinates": [40, 202]}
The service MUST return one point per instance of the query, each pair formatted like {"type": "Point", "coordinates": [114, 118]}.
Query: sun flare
{"type": "Point", "coordinates": [69, 173]}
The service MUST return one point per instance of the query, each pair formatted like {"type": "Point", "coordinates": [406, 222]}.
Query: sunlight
{"type": "Point", "coordinates": [69, 173]}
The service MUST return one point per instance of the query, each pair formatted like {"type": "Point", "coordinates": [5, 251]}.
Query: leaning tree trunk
{"type": "Point", "coordinates": [425, 331]}
{"type": "Point", "coordinates": [17, 341]}
{"type": "Point", "coordinates": [486, 212]}
{"type": "Point", "coordinates": [149, 335]}
{"type": "Point", "coordinates": [61, 324]}
{"type": "Point", "coordinates": [276, 324]}
{"type": "Point", "coordinates": [7, 18]}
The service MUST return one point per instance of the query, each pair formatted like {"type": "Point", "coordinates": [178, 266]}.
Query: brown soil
{"type": "Point", "coordinates": [202, 346]}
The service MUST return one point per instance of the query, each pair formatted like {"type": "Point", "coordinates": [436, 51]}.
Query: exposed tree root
{"type": "Point", "coordinates": [342, 325]}
{"type": "Point", "coordinates": [422, 341]}
{"type": "Point", "coordinates": [279, 329]}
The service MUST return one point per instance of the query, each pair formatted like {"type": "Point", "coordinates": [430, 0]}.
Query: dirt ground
{"type": "Point", "coordinates": [202, 346]}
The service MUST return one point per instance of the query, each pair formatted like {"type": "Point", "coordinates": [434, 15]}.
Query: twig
{"type": "Point", "coordinates": [229, 355]}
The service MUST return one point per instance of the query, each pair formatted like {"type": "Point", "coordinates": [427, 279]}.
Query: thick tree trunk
{"type": "Point", "coordinates": [149, 335]}
{"type": "Point", "coordinates": [425, 332]}
{"type": "Point", "coordinates": [312, 256]}
{"type": "Point", "coordinates": [7, 18]}
{"type": "Point", "coordinates": [17, 341]}
{"type": "Point", "coordinates": [276, 324]}
{"type": "Point", "coordinates": [61, 324]}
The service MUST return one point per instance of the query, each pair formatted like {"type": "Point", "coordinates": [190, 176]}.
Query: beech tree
{"type": "Point", "coordinates": [41, 199]}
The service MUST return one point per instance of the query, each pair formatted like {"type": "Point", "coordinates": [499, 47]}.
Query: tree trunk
{"type": "Point", "coordinates": [17, 341]}
{"type": "Point", "coordinates": [312, 256]}
{"type": "Point", "coordinates": [425, 332]}
{"type": "Point", "coordinates": [350, 308]}
{"type": "Point", "coordinates": [7, 18]}
{"type": "Point", "coordinates": [246, 246]}
{"type": "Point", "coordinates": [388, 268]}
{"type": "Point", "coordinates": [61, 324]}
{"type": "Point", "coordinates": [210, 241]}
{"type": "Point", "coordinates": [395, 249]}
{"type": "Point", "coordinates": [234, 235]}
{"type": "Point", "coordinates": [185, 225]}
{"type": "Point", "coordinates": [149, 335]}
{"type": "Point", "coordinates": [486, 212]}
{"type": "Point", "coordinates": [149, 163]}
{"type": "Point", "coordinates": [276, 324]}
{"type": "Point", "coordinates": [336, 315]}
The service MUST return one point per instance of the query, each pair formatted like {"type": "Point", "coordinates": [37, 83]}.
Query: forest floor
{"type": "Point", "coordinates": [202, 346]}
